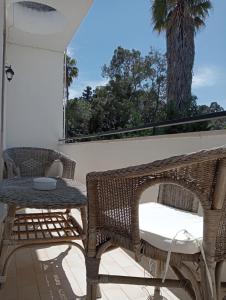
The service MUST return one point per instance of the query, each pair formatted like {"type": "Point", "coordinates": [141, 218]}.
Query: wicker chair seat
{"type": "Point", "coordinates": [163, 226]}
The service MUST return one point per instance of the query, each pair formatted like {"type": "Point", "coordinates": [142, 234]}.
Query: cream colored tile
{"type": "Point", "coordinates": [123, 259]}
{"type": "Point", "coordinates": [114, 292]}
{"type": "Point", "coordinates": [134, 292]}
{"type": "Point", "coordinates": [135, 271]}
{"type": "Point", "coordinates": [58, 272]}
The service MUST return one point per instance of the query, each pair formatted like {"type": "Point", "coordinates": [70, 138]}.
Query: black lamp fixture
{"type": "Point", "coordinates": [9, 72]}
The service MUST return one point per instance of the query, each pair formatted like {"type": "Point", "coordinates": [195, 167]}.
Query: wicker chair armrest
{"type": "Point", "coordinates": [69, 167]}
{"type": "Point", "coordinates": [10, 167]}
{"type": "Point", "coordinates": [164, 165]}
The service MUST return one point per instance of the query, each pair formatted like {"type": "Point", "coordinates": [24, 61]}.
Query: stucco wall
{"type": "Point", "coordinates": [106, 155]}
{"type": "Point", "coordinates": [2, 206]}
{"type": "Point", "coordinates": [1, 50]}
{"type": "Point", "coordinates": [34, 109]}
{"type": "Point", "coordinates": [1, 42]}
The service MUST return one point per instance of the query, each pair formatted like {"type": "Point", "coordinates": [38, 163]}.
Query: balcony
{"type": "Point", "coordinates": [58, 272]}
{"type": "Point", "coordinates": [37, 33]}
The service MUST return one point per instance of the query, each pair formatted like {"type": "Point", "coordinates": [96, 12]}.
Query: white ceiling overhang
{"type": "Point", "coordinates": [48, 24]}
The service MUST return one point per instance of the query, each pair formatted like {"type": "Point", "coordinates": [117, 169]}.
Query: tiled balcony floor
{"type": "Point", "coordinates": [58, 272]}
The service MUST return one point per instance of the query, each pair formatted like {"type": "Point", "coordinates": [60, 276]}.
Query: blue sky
{"type": "Point", "coordinates": [126, 23]}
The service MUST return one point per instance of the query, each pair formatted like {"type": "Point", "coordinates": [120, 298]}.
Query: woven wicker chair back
{"type": "Point", "coordinates": [178, 197]}
{"type": "Point", "coordinates": [33, 162]}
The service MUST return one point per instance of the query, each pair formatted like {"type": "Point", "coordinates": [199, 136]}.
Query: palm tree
{"type": "Point", "coordinates": [71, 72]}
{"type": "Point", "coordinates": [180, 19]}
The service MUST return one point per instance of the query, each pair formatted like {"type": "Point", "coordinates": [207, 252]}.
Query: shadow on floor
{"type": "Point", "coordinates": [29, 277]}
{"type": "Point", "coordinates": [55, 280]}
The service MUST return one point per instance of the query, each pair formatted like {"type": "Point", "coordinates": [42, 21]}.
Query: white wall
{"type": "Point", "coordinates": [2, 206]}
{"type": "Point", "coordinates": [106, 155]}
{"type": "Point", "coordinates": [34, 111]}
{"type": "Point", "coordinates": [35, 45]}
{"type": "Point", "coordinates": [1, 48]}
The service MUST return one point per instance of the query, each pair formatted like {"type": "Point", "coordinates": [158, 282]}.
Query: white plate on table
{"type": "Point", "coordinates": [44, 183]}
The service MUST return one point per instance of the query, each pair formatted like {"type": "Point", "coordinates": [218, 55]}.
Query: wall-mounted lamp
{"type": "Point", "coordinates": [9, 72]}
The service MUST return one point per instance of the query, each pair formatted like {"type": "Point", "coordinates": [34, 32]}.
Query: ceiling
{"type": "Point", "coordinates": [48, 24]}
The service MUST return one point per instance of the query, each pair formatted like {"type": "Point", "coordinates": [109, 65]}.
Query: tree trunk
{"type": "Point", "coordinates": [180, 59]}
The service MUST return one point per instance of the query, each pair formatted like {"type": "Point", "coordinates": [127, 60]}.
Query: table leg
{"type": "Point", "coordinates": [7, 231]}
{"type": "Point", "coordinates": [83, 211]}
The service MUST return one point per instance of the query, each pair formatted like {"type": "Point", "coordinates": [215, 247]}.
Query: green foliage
{"type": "Point", "coordinates": [135, 91]}
{"type": "Point", "coordinates": [135, 95]}
{"type": "Point", "coordinates": [214, 107]}
{"type": "Point", "coordinates": [87, 93]}
{"type": "Point", "coordinates": [71, 69]}
{"type": "Point", "coordinates": [71, 72]}
{"type": "Point", "coordinates": [78, 114]}
{"type": "Point", "coordinates": [163, 12]}
{"type": "Point", "coordinates": [197, 110]}
{"type": "Point", "coordinates": [180, 19]}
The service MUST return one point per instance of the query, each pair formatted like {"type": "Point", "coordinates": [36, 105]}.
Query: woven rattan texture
{"type": "Point", "coordinates": [20, 191]}
{"type": "Point", "coordinates": [113, 218]}
{"type": "Point", "coordinates": [33, 162]}
{"type": "Point", "coordinates": [43, 226]}
{"type": "Point", "coordinates": [114, 197]}
{"type": "Point", "coordinates": [221, 235]}
{"type": "Point", "coordinates": [177, 197]}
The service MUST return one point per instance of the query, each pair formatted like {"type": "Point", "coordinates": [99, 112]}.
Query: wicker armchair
{"type": "Point", "coordinates": [32, 162]}
{"type": "Point", "coordinates": [113, 221]}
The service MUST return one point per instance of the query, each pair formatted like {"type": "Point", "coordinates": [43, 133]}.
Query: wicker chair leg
{"type": "Point", "coordinates": [183, 272]}
{"type": "Point", "coordinates": [8, 225]}
{"type": "Point", "coordinates": [67, 211]}
{"type": "Point", "coordinates": [205, 284]}
{"type": "Point", "coordinates": [219, 268]}
{"type": "Point", "coordinates": [83, 212]}
{"type": "Point", "coordinates": [91, 291]}
{"type": "Point", "coordinates": [92, 270]}
{"type": "Point", "coordinates": [157, 291]}
{"type": "Point", "coordinates": [3, 258]}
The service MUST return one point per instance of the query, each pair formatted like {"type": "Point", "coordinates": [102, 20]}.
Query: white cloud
{"type": "Point", "coordinates": [70, 51]}
{"type": "Point", "coordinates": [205, 77]}
{"type": "Point", "coordinates": [77, 89]}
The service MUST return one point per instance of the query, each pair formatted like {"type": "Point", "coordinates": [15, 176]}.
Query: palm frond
{"type": "Point", "coordinates": [201, 7]}
{"type": "Point", "coordinates": [159, 14]}
{"type": "Point", "coordinates": [162, 12]}
{"type": "Point", "coordinates": [198, 22]}
{"type": "Point", "coordinates": [200, 10]}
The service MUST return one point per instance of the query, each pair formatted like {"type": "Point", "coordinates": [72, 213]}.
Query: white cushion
{"type": "Point", "coordinates": [159, 224]}
{"type": "Point", "coordinates": [55, 169]}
